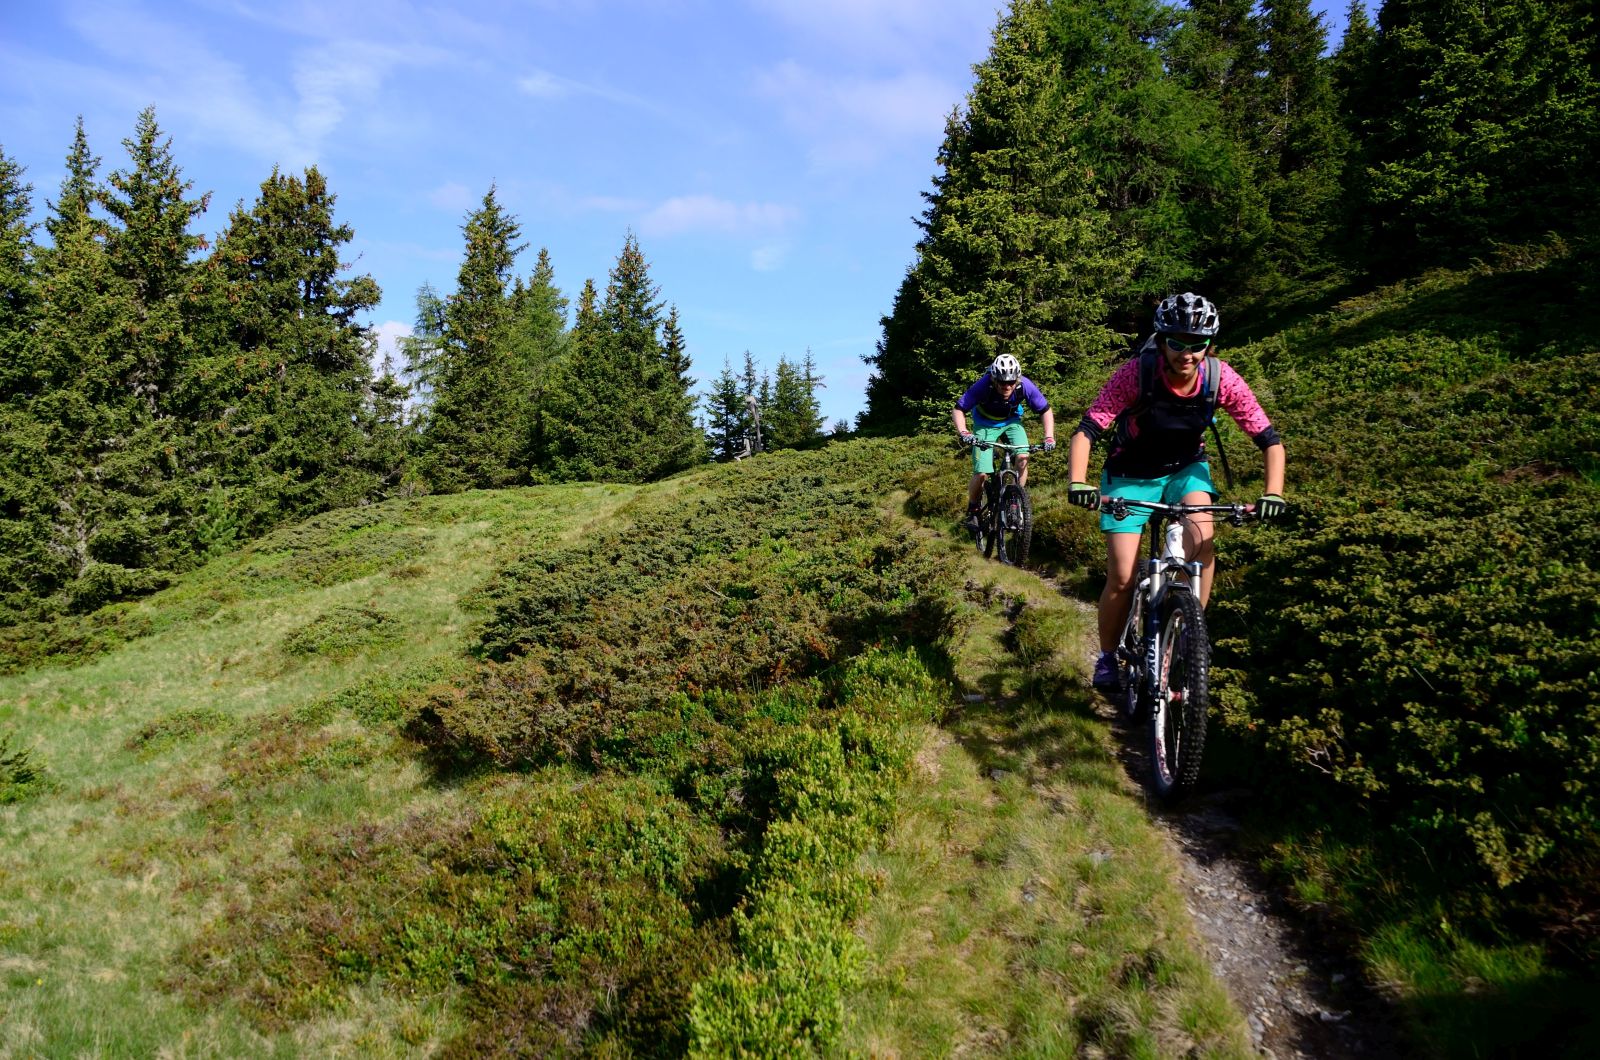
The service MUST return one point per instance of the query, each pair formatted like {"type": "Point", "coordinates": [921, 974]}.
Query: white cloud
{"type": "Point", "coordinates": [769, 258]}
{"type": "Point", "coordinates": [542, 84]}
{"type": "Point", "coordinates": [453, 197]}
{"type": "Point", "coordinates": [858, 120]}
{"type": "Point", "coordinates": [389, 333]}
{"type": "Point", "coordinates": [328, 88]}
{"type": "Point", "coordinates": [898, 31]}
{"type": "Point", "coordinates": [691, 213]}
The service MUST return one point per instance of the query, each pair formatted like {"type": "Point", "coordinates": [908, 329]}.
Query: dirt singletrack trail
{"type": "Point", "coordinates": [1300, 998]}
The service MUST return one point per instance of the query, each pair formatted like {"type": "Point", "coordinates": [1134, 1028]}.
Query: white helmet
{"type": "Point", "coordinates": [1005, 369]}
{"type": "Point", "coordinates": [1187, 314]}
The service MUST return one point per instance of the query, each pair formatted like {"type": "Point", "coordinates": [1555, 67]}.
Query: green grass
{"type": "Point", "coordinates": [195, 744]}
{"type": "Point", "coordinates": [1028, 905]}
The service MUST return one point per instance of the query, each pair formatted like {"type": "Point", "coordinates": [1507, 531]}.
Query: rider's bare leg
{"type": "Point", "coordinates": [1199, 541]}
{"type": "Point", "coordinates": [1122, 557]}
{"type": "Point", "coordinates": [1022, 470]}
{"type": "Point", "coordinates": [975, 490]}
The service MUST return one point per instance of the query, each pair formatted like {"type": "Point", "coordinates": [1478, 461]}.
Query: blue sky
{"type": "Point", "coordinates": [769, 154]}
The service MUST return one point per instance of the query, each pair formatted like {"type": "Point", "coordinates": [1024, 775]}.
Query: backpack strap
{"type": "Point", "coordinates": [1213, 385]}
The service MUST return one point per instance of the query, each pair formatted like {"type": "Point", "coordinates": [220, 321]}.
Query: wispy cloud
{"type": "Point", "coordinates": [691, 213]}
{"type": "Point", "coordinates": [769, 258]}
{"type": "Point", "coordinates": [858, 120]}
{"type": "Point", "coordinates": [144, 56]}
{"type": "Point", "coordinates": [901, 32]}
{"type": "Point", "coordinates": [543, 84]}
{"type": "Point", "coordinates": [389, 333]}
{"type": "Point", "coordinates": [454, 197]}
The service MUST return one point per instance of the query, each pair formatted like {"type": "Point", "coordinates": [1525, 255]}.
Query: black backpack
{"type": "Point", "coordinates": [1149, 365]}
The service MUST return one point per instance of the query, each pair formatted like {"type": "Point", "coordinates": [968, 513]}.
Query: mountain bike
{"type": "Point", "coordinates": [1164, 653]}
{"type": "Point", "coordinates": [1005, 522]}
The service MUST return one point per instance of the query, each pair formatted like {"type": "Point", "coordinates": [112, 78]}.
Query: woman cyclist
{"type": "Point", "coordinates": [1161, 402]}
{"type": "Point", "coordinates": [996, 401]}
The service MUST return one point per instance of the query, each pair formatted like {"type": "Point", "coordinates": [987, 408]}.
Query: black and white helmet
{"type": "Point", "coordinates": [1187, 314]}
{"type": "Point", "coordinates": [1005, 369]}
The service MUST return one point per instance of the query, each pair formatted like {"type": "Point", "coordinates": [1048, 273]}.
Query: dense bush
{"type": "Point", "coordinates": [1422, 640]}
{"type": "Point", "coordinates": [710, 730]}
{"type": "Point", "coordinates": [768, 571]}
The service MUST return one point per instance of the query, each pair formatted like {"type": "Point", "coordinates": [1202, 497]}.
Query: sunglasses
{"type": "Point", "coordinates": [1177, 346]}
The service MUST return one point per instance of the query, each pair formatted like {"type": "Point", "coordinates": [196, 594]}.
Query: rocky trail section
{"type": "Point", "coordinates": [1300, 998]}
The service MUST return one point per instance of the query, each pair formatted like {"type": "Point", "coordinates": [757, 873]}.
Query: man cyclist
{"type": "Point", "coordinates": [996, 401]}
{"type": "Point", "coordinates": [1158, 452]}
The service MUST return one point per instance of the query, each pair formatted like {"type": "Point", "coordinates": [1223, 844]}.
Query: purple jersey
{"type": "Point", "coordinates": [989, 408]}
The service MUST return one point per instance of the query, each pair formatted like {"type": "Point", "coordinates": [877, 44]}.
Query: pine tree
{"type": "Point", "coordinates": [794, 418]}
{"type": "Point", "coordinates": [277, 398]}
{"type": "Point", "coordinates": [1492, 130]}
{"type": "Point", "coordinates": [19, 295]}
{"type": "Point", "coordinates": [78, 189]}
{"type": "Point", "coordinates": [151, 247]}
{"type": "Point", "coordinates": [538, 319]}
{"type": "Point", "coordinates": [727, 418]}
{"type": "Point", "coordinates": [473, 433]}
{"type": "Point", "coordinates": [615, 409]}
{"type": "Point", "coordinates": [1300, 138]}
{"type": "Point", "coordinates": [1016, 254]}
{"type": "Point", "coordinates": [422, 350]}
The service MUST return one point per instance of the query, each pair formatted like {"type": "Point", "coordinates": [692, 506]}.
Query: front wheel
{"type": "Point", "coordinates": [1181, 695]}
{"type": "Point", "coordinates": [1016, 529]}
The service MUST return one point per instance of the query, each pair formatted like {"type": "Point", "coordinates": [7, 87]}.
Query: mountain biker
{"type": "Point", "coordinates": [996, 401]}
{"type": "Point", "coordinates": [1158, 453]}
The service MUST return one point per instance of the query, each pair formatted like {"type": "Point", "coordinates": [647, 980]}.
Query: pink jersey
{"type": "Point", "coordinates": [1234, 395]}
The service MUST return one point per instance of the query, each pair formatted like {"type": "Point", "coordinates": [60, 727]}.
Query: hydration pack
{"type": "Point", "coordinates": [1149, 368]}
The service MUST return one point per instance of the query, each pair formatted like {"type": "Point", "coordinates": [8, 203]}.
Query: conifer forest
{"type": "Point", "coordinates": [594, 699]}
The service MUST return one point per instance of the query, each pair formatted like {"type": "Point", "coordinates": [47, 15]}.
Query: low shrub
{"type": "Point", "coordinates": [21, 776]}
{"type": "Point", "coordinates": [341, 632]}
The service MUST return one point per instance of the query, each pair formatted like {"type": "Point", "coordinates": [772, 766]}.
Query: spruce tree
{"type": "Point", "coordinates": [1178, 186]}
{"type": "Point", "coordinates": [1300, 139]}
{"type": "Point", "coordinates": [1492, 130]}
{"type": "Point", "coordinates": [99, 512]}
{"type": "Point", "coordinates": [19, 294]}
{"type": "Point", "coordinates": [727, 417]}
{"type": "Point", "coordinates": [473, 432]}
{"type": "Point", "coordinates": [278, 396]}
{"type": "Point", "coordinates": [538, 319]}
{"type": "Point", "coordinates": [615, 409]}
{"type": "Point", "coordinates": [150, 246]}
{"type": "Point", "coordinates": [794, 419]}
{"type": "Point", "coordinates": [1016, 255]}
{"type": "Point", "coordinates": [422, 350]}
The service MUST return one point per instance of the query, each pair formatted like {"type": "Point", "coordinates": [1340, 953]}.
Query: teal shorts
{"type": "Point", "coordinates": [1168, 489]}
{"type": "Point", "coordinates": [1010, 433]}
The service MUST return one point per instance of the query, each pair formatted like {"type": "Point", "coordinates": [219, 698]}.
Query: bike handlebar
{"type": "Point", "coordinates": [979, 443]}
{"type": "Point", "coordinates": [1237, 513]}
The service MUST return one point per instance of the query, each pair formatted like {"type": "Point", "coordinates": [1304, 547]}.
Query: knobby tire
{"type": "Point", "coordinates": [1183, 670]}
{"type": "Point", "coordinates": [1014, 540]}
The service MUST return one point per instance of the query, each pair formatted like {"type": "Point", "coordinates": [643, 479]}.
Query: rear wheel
{"type": "Point", "coordinates": [1016, 518]}
{"type": "Point", "coordinates": [1181, 695]}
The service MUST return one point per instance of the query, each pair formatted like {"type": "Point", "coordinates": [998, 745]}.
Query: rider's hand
{"type": "Point", "coordinates": [1084, 495]}
{"type": "Point", "coordinates": [1270, 507]}
{"type": "Point", "coordinates": [1049, 445]}
{"type": "Point", "coordinates": [968, 438]}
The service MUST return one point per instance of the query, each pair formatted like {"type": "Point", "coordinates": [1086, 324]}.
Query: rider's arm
{"type": "Point", "coordinates": [960, 419]}
{"type": "Point", "coordinates": [1049, 420]}
{"type": "Point", "coordinates": [1273, 455]}
{"type": "Point", "coordinates": [1078, 457]}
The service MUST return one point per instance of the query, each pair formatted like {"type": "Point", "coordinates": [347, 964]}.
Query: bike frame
{"type": "Point", "coordinates": [1141, 647]}
{"type": "Point", "coordinates": [1007, 474]}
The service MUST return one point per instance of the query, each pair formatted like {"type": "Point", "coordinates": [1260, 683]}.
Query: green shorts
{"type": "Point", "coordinates": [1009, 433]}
{"type": "Point", "coordinates": [1167, 489]}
